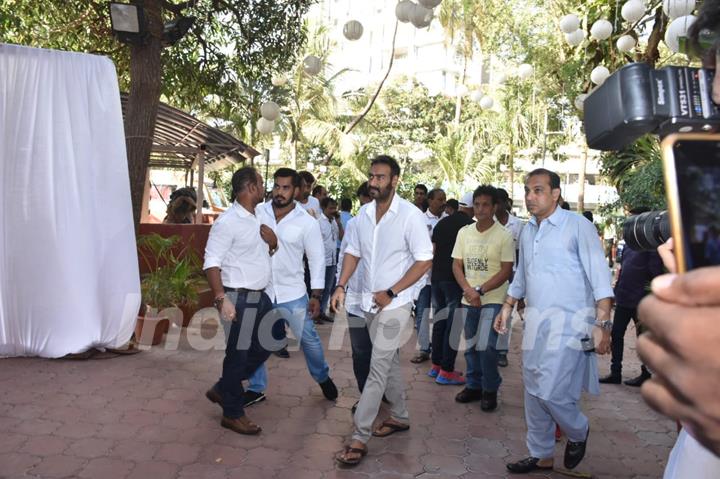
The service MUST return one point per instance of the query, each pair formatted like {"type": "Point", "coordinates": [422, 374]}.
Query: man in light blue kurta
{"type": "Point", "coordinates": [565, 280]}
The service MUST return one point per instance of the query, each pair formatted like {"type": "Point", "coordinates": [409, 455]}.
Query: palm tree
{"type": "Point", "coordinates": [459, 157]}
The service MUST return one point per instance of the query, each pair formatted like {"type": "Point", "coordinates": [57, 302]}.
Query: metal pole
{"type": "Point", "coordinates": [545, 135]}
{"type": "Point", "coordinates": [267, 166]}
{"type": "Point", "coordinates": [200, 159]}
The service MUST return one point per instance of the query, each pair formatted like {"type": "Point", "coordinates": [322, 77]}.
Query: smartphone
{"type": "Point", "coordinates": [691, 163]}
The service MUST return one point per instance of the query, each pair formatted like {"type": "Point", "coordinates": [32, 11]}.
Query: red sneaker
{"type": "Point", "coordinates": [450, 378]}
{"type": "Point", "coordinates": [434, 371]}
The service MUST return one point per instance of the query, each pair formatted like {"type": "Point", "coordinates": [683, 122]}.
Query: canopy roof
{"type": "Point", "coordinates": [179, 136]}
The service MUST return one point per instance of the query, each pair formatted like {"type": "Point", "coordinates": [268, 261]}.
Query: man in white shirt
{"type": "Point", "coordinates": [307, 202]}
{"type": "Point", "coordinates": [332, 232]}
{"type": "Point", "coordinates": [297, 234]}
{"type": "Point", "coordinates": [237, 264]}
{"type": "Point", "coordinates": [392, 243]}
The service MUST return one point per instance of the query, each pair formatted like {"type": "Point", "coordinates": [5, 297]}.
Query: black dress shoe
{"type": "Point", "coordinates": [469, 395]}
{"type": "Point", "coordinates": [575, 451]}
{"type": "Point", "coordinates": [637, 382]}
{"type": "Point", "coordinates": [526, 465]}
{"type": "Point", "coordinates": [329, 389]}
{"type": "Point", "coordinates": [502, 360]}
{"type": "Point", "coordinates": [489, 401]}
{"type": "Point", "coordinates": [282, 353]}
{"type": "Point", "coordinates": [611, 379]}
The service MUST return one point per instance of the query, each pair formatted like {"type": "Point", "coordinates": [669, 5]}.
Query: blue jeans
{"type": "Point", "coordinates": [244, 353]}
{"type": "Point", "coordinates": [422, 318]}
{"type": "Point", "coordinates": [481, 355]}
{"type": "Point", "coordinates": [296, 315]}
{"type": "Point", "coordinates": [361, 345]}
{"type": "Point", "coordinates": [329, 287]}
{"type": "Point", "coordinates": [446, 327]}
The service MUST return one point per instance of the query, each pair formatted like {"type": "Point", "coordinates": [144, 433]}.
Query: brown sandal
{"type": "Point", "coordinates": [393, 428]}
{"type": "Point", "coordinates": [341, 456]}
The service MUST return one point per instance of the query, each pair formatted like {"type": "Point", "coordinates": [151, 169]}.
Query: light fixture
{"type": "Point", "coordinates": [569, 23]}
{"type": "Point", "coordinates": [421, 17]}
{"type": "Point", "coordinates": [525, 71]}
{"type": "Point", "coordinates": [575, 38]}
{"type": "Point", "coordinates": [429, 3]}
{"type": "Point", "coordinates": [128, 22]}
{"type": "Point", "coordinates": [678, 8]}
{"type": "Point", "coordinates": [601, 30]}
{"type": "Point", "coordinates": [403, 10]}
{"type": "Point", "coordinates": [265, 126]}
{"type": "Point", "coordinates": [633, 11]}
{"type": "Point", "coordinates": [599, 75]}
{"type": "Point", "coordinates": [476, 96]}
{"type": "Point", "coordinates": [626, 43]}
{"type": "Point", "coordinates": [353, 30]}
{"type": "Point", "coordinates": [486, 102]}
{"type": "Point", "coordinates": [580, 101]}
{"type": "Point", "coordinates": [270, 110]}
{"type": "Point", "coordinates": [678, 28]}
{"type": "Point", "coordinates": [312, 65]}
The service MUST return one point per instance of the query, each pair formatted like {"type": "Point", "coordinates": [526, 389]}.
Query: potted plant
{"type": "Point", "coordinates": [172, 279]}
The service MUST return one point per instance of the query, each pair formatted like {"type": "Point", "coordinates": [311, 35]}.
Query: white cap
{"type": "Point", "coordinates": [466, 200]}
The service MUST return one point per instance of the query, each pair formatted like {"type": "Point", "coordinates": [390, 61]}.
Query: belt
{"type": "Point", "coordinates": [241, 290]}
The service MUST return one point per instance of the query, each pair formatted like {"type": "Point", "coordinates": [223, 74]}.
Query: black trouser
{"type": "Point", "coordinates": [361, 348]}
{"type": "Point", "coordinates": [622, 318]}
{"type": "Point", "coordinates": [244, 352]}
{"type": "Point", "coordinates": [446, 327]}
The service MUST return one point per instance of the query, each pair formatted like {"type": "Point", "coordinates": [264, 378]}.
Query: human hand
{"type": "Point", "coordinates": [381, 299]}
{"type": "Point", "coordinates": [268, 236]}
{"type": "Point", "coordinates": [667, 255]}
{"type": "Point", "coordinates": [682, 318]}
{"type": "Point", "coordinates": [472, 297]}
{"type": "Point", "coordinates": [314, 308]}
{"type": "Point", "coordinates": [227, 310]}
{"type": "Point", "coordinates": [337, 300]}
{"type": "Point", "coordinates": [501, 320]}
{"type": "Point", "coordinates": [603, 347]}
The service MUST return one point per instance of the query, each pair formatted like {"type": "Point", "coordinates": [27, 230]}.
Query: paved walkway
{"type": "Point", "coordinates": [145, 416]}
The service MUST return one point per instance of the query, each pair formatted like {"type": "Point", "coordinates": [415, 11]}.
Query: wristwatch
{"type": "Point", "coordinates": [391, 293]}
{"type": "Point", "coordinates": [606, 325]}
{"type": "Point", "coordinates": [217, 302]}
{"type": "Point", "coordinates": [480, 291]}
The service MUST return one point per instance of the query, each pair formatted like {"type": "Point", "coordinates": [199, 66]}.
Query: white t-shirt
{"type": "Point", "coordinates": [312, 206]}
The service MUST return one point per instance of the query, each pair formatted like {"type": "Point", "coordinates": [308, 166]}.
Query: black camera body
{"type": "Point", "coordinates": [636, 100]}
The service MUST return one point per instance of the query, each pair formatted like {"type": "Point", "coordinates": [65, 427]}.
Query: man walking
{"type": "Point", "coordinates": [332, 232]}
{"type": "Point", "coordinates": [392, 244]}
{"type": "Point", "coordinates": [297, 234]}
{"type": "Point", "coordinates": [237, 264]}
{"type": "Point", "coordinates": [565, 280]}
{"type": "Point", "coordinates": [482, 263]}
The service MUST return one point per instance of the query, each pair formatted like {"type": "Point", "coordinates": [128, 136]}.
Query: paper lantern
{"type": "Point", "coordinates": [678, 8]}
{"type": "Point", "coordinates": [270, 110]}
{"type": "Point", "coordinates": [599, 75]}
{"type": "Point", "coordinates": [601, 30]}
{"type": "Point", "coordinates": [461, 90]}
{"type": "Point", "coordinates": [312, 65]}
{"type": "Point", "coordinates": [353, 30]}
{"type": "Point", "coordinates": [525, 71]}
{"type": "Point", "coordinates": [501, 78]}
{"type": "Point", "coordinates": [486, 102]}
{"type": "Point", "coordinates": [265, 126]}
{"type": "Point", "coordinates": [580, 101]}
{"type": "Point", "coordinates": [429, 3]}
{"type": "Point", "coordinates": [575, 38]}
{"type": "Point", "coordinates": [678, 28]}
{"type": "Point", "coordinates": [279, 80]}
{"type": "Point", "coordinates": [476, 96]}
{"type": "Point", "coordinates": [421, 17]}
{"type": "Point", "coordinates": [403, 10]}
{"type": "Point", "coordinates": [626, 43]}
{"type": "Point", "coordinates": [633, 11]}
{"type": "Point", "coordinates": [569, 23]}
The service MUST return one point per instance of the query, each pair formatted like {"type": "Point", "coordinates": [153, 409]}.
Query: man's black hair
{"type": "Point", "coordinates": [345, 204]}
{"type": "Point", "coordinates": [363, 190]}
{"type": "Point", "coordinates": [288, 173]}
{"type": "Point", "coordinates": [487, 190]}
{"type": "Point", "coordinates": [453, 203]}
{"type": "Point", "coordinates": [421, 187]}
{"type": "Point", "coordinates": [247, 175]}
{"type": "Point", "coordinates": [588, 214]}
{"type": "Point", "coordinates": [431, 194]}
{"type": "Point", "coordinates": [307, 177]}
{"type": "Point", "coordinates": [325, 202]}
{"type": "Point", "coordinates": [502, 194]}
{"type": "Point", "coordinates": [389, 161]}
{"type": "Point", "coordinates": [565, 205]}
{"type": "Point", "coordinates": [317, 189]}
{"type": "Point", "coordinates": [188, 191]}
{"type": "Point", "coordinates": [554, 178]}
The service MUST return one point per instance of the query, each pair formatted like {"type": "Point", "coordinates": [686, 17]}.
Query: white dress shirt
{"type": "Point", "coordinates": [431, 220]}
{"type": "Point", "coordinates": [515, 226]}
{"type": "Point", "coordinates": [353, 295]}
{"type": "Point", "coordinates": [330, 236]}
{"type": "Point", "coordinates": [312, 207]}
{"type": "Point", "coordinates": [235, 246]}
{"type": "Point", "coordinates": [298, 233]}
{"type": "Point", "coordinates": [389, 248]}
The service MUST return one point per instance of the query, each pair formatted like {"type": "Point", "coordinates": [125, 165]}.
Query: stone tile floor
{"type": "Point", "coordinates": [145, 416]}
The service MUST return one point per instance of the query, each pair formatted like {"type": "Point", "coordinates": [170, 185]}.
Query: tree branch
{"type": "Point", "coordinates": [176, 8]}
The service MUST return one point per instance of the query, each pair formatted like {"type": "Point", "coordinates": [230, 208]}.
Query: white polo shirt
{"type": "Point", "coordinates": [431, 220]}
{"type": "Point", "coordinates": [330, 236]}
{"type": "Point", "coordinates": [353, 296]}
{"type": "Point", "coordinates": [235, 246]}
{"type": "Point", "coordinates": [389, 248]}
{"type": "Point", "coordinates": [298, 233]}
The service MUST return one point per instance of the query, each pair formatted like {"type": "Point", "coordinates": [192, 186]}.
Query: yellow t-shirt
{"type": "Point", "coordinates": [482, 254]}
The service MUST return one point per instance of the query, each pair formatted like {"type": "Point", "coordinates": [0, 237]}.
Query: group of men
{"type": "Point", "coordinates": [391, 255]}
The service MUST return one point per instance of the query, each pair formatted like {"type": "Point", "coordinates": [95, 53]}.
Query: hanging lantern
{"type": "Point", "coordinates": [312, 65]}
{"type": "Point", "coordinates": [403, 10]}
{"type": "Point", "coordinates": [525, 71]}
{"type": "Point", "coordinates": [580, 101]}
{"type": "Point", "coordinates": [678, 28]}
{"type": "Point", "coordinates": [501, 78]}
{"type": "Point", "coordinates": [421, 17]}
{"type": "Point", "coordinates": [626, 43]}
{"type": "Point", "coordinates": [575, 38]}
{"type": "Point", "coordinates": [270, 110]}
{"type": "Point", "coordinates": [353, 30]}
{"type": "Point", "coordinates": [599, 75]}
{"type": "Point", "coordinates": [265, 126]}
{"type": "Point", "coordinates": [476, 96]}
{"type": "Point", "coordinates": [429, 3]}
{"type": "Point", "coordinates": [461, 90]}
{"type": "Point", "coordinates": [633, 11]}
{"type": "Point", "coordinates": [601, 30]}
{"type": "Point", "coordinates": [279, 80]}
{"type": "Point", "coordinates": [569, 23]}
{"type": "Point", "coordinates": [486, 102]}
{"type": "Point", "coordinates": [678, 8]}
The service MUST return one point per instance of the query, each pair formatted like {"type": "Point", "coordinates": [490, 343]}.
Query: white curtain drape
{"type": "Point", "coordinates": [68, 264]}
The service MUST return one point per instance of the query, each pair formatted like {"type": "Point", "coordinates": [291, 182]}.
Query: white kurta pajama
{"type": "Point", "coordinates": [561, 273]}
